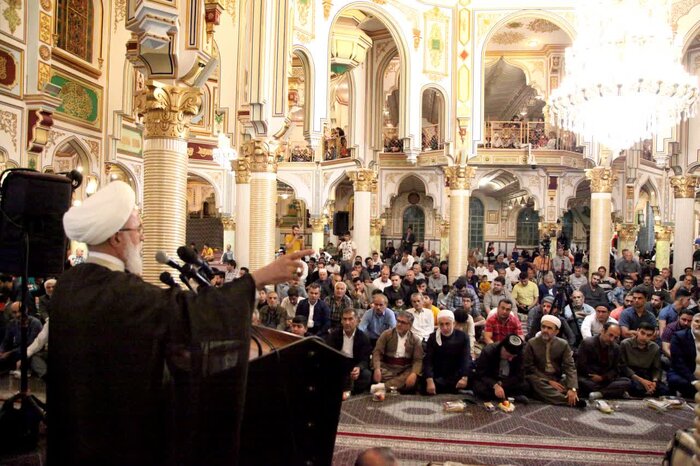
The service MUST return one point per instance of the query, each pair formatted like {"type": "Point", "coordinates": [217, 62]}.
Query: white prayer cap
{"type": "Point", "coordinates": [552, 320]}
{"type": "Point", "coordinates": [446, 313]}
{"type": "Point", "coordinates": [100, 215]}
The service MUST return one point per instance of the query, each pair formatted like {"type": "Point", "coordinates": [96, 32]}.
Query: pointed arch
{"type": "Point", "coordinates": [308, 66]}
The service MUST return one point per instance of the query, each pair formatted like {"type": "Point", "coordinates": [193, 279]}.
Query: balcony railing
{"type": "Point", "coordinates": [431, 139]}
{"type": "Point", "coordinates": [517, 134]}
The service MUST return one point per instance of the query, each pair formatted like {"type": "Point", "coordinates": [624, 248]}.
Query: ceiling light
{"type": "Point", "coordinates": [533, 43]}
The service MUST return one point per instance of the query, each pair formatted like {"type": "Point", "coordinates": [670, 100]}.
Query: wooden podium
{"type": "Point", "coordinates": [293, 399]}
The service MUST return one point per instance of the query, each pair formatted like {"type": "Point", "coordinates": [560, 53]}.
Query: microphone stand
{"type": "Point", "coordinates": [184, 280]}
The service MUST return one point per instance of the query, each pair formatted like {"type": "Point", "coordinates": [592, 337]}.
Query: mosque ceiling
{"type": "Point", "coordinates": [527, 34]}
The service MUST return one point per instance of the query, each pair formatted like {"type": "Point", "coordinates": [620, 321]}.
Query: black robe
{"type": "Point", "coordinates": [111, 335]}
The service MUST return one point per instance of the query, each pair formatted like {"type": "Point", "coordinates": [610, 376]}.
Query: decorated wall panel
{"type": "Point", "coordinates": [81, 100]}
{"type": "Point", "coordinates": [130, 142]}
{"type": "Point", "coordinates": [13, 19]}
{"type": "Point", "coordinates": [11, 70]}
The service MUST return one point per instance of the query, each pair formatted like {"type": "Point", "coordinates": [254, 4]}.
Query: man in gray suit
{"type": "Point", "coordinates": [550, 367]}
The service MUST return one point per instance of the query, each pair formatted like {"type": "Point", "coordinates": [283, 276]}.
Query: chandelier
{"type": "Point", "coordinates": [624, 80]}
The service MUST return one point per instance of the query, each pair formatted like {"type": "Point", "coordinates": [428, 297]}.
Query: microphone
{"type": "Point", "coordinates": [186, 270]}
{"type": "Point", "coordinates": [189, 256]}
{"type": "Point", "coordinates": [166, 278]}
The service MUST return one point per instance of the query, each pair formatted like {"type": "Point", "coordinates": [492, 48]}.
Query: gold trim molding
{"type": "Point", "coordinates": [375, 226]}
{"type": "Point", "coordinates": [318, 224]}
{"type": "Point", "coordinates": [684, 186]}
{"type": "Point", "coordinates": [259, 157]}
{"type": "Point", "coordinates": [228, 222]}
{"type": "Point", "coordinates": [167, 110]}
{"type": "Point", "coordinates": [602, 179]}
{"type": "Point", "coordinates": [363, 179]}
{"type": "Point", "coordinates": [242, 167]}
{"type": "Point", "coordinates": [628, 231]}
{"type": "Point", "coordinates": [663, 233]}
{"type": "Point", "coordinates": [460, 177]}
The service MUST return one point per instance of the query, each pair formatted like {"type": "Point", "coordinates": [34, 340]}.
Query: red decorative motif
{"type": "Point", "coordinates": [464, 55]}
{"type": "Point", "coordinates": [8, 69]}
{"type": "Point", "coordinates": [200, 151]}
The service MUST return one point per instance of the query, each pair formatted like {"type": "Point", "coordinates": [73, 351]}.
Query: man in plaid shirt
{"type": "Point", "coordinates": [460, 290]}
{"type": "Point", "coordinates": [502, 323]}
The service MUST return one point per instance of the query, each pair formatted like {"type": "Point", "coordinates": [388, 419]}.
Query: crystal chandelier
{"type": "Point", "coordinates": [624, 80]}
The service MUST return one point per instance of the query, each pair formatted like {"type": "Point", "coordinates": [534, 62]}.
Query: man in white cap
{"type": "Point", "coordinates": [550, 368]}
{"type": "Point", "coordinates": [111, 334]}
{"type": "Point", "coordinates": [447, 360]}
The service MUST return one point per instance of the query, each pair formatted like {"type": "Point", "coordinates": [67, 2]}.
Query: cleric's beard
{"type": "Point", "coordinates": [134, 261]}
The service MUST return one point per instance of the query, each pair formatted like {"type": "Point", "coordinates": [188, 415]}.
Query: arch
{"type": "Point", "coordinates": [379, 98]}
{"type": "Point", "coordinates": [692, 19]}
{"type": "Point", "coordinates": [301, 189]}
{"type": "Point", "coordinates": [527, 232]}
{"type": "Point", "coordinates": [205, 176]}
{"type": "Point", "coordinates": [87, 161]}
{"type": "Point", "coordinates": [480, 51]}
{"type": "Point", "coordinates": [132, 180]}
{"type": "Point", "coordinates": [476, 223]}
{"type": "Point", "coordinates": [432, 191]}
{"type": "Point", "coordinates": [308, 66]}
{"type": "Point", "coordinates": [648, 186]}
{"type": "Point", "coordinates": [414, 216]}
{"type": "Point", "coordinates": [433, 139]}
{"type": "Point", "coordinates": [394, 29]}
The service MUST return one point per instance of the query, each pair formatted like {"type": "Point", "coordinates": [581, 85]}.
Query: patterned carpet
{"type": "Point", "coordinates": [419, 432]}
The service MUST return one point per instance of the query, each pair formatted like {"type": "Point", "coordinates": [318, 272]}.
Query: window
{"type": "Point", "coordinates": [528, 229]}
{"type": "Point", "coordinates": [476, 223]}
{"type": "Point", "coordinates": [74, 20]}
{"type": "Point", "coordinates": [414, 217]}
{"type": "Point", "coordinates": [432, 109]}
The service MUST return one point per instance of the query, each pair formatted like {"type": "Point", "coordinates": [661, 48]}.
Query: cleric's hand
{"type": "Point", "coordinates": [281, 270]}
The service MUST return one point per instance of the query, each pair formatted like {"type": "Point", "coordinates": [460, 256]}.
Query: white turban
{"type": "Point", "coordinates": [100, 215]}
{"type": "Point", "coordinates": [446, 313]}
{"type": "Point", "coordinates": [552, 320]}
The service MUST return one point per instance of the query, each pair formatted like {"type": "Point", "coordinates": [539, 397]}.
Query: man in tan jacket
{"type": "Point", "coordinates": [397, 359]}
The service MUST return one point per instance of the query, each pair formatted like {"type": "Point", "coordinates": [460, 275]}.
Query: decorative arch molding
{"type": "Point", "coordinates": [568, 186]}
{"type": "Point", "coordinates": [331, 182]}
{"type": "Point", "coordinates": [687, 25]}
{"type": "Point", "coordinates": [206, 175]}
{"type": "Point", "coordinates": [400, 203]}
{"type": "Point", "coordinates": [525, 181]}
{"type": "Point", "coordinates": [395, 29]}
{"type": "Point", "coordinates": [390, 182]}
{"type": "Point", "coordinates": [486, 24]}
{"type": "Point", "coordinates": [301, 183]}
{"type": "Point", "coordinates": [648, 183]}
{"type": "Point", "coordinates": [307, 61]}
{"type": "Point", "coordinates": [129, 170]}
{"type": "Point", "coordinates": [90, 163]}
{"type": "Point", "coordinates": [446, 127]}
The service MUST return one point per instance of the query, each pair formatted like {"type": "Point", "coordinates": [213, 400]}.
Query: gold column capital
{"type": "Point", "coordinates": [602, 179]}
{"type": "Point", "coordinates": [167, 109]}
{"type": "Point", "coordinates": [242, 167]}
{"type": "Point", "coordinates": [663, 232]}
{"type": "Point", "coordinates": [444, 228]}
{"type": "Point", "coordinates": [327, 5]}
{"type": "Point", "coordinates": [259, 157]}
{"type": "Point", "coordinates": [375, 226]}
{"type": "Point", "coordinates": [317, 224]}
{"type": "Point", "coordinates": [684, 186]}
{"type": "Point", "coordinates": [627, 231]}
{"type": "Point", "coordinates": [363, 179]}
{"type": "Point", "coordinates": [459, 177]}
{"type": "Point", "coordinates": [548, 227]}
{"type": "Point", "coordinates": [228, 222]}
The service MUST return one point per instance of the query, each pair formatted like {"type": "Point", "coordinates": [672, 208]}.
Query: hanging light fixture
{"type": "Point", "coordinates": [624, 80]}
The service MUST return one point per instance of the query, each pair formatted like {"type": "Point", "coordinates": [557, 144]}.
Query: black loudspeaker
{"type": "Point", "coordinates": [293, 402]}
{"type": "Point", "coordinates": [341, 223]}
{"type": "Point", "coordinates": [34, 203]}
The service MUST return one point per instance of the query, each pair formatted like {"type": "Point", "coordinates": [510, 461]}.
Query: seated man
{"type": "Point", "coordinates": [681, 376]}
{"type": "Point", "coordinates": [671, 312]}
{"type": "Point", "coordinates": [526, 293]}
{"type": "Point", "coordinates": [550, 368]}
{"type": "Point", "coordinates": [447, 361]}
{"type": "Point", "coordinates": [9, 348]}
{"type": "Point", "coordinates": [378, 319]}
{"type": "Point", "coordinates": [632, 317]}
{"type": "Point", "coordinates": [353, 343]}
{"type": "Point", "coordinates": [535, 315]}
{"type": "Point", "coordinates": [398, 356]}
{"type": "Point", "coordinates": [298, 326]}
{"type": "Point", "coordinates": [316, 311]}
{"type": "Point", "coordinates": [271, 314]}
{"type": "Point", "coordinates": [593, 323]}
{"type": "Point", "coordinates": [598, 365]}
{"type": "Point", "coordinates": [423, 320]}
{"type": "Point", "coordinates": [578, 310]}
{"type": "Point", "coordinates": [500, 371]}
{"type": "Point", "coordinates": [682, 323]}
{"type": "Point", "coordinates": [289, 309]}
{"type": "Point", "coordinates": [502, 323]}
{"type": "Point", "coordinates": [641, 359]}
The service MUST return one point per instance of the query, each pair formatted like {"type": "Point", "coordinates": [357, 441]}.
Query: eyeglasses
{"type": "Point", "coordinates": [138, 229]}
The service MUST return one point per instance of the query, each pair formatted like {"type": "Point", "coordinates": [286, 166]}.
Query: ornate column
{"type": "Point", "coordinates": [444, 239]}
{"type": "Point", "coordinates": [317, 226]}
{"type": "Point", "coordinates": [602, 181]}
{"type": "Point", "coordinates": [459, 178]}
{"type": "Point", "coordinates": [229, 233]}
{"type": "Point", "coordinates": [263, 195]}
{"type": "Point", "coordinates": [375, 239]}
{"type": "Point", "coordinates": [663, 234]}
{"type": "Point", "coordinates": [363, 180]}
{"type": "Point", "coordinates": [684, 193]}
{"type": "Point", "coordinates": [167, 110]}
{"type": "Point", "coordinates": [241, 246]}
{"type": "Point", "coordinates": [551, 230]}
{"type": "Point", "coordinates": [627, 236]}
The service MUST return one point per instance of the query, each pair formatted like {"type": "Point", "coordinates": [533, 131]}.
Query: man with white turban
{"type": "Point", "coordinates": [111, 335]}
{"type": "Point", "coordinates": [447, 360]}
{"type": "Point", "coordinates": [549, 366]}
